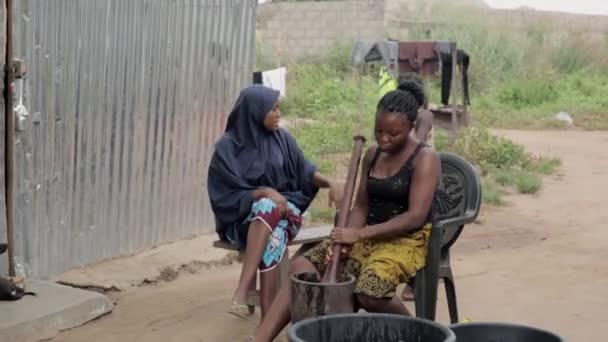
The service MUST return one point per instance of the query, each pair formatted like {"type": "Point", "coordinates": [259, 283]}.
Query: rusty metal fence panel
{"type": "Point", "coordinates": [124, 99]}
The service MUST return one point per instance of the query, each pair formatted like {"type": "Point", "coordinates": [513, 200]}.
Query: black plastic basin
{"type": "Point", "coordinates": [501, 332]}
{"type": "Point", "coordinates": [366, 327]}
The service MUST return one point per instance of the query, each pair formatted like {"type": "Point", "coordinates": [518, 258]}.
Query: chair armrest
{"type": "Point", "coordinates": [452, 227]}
{"type": "Point", "coordinates": [468, 217]}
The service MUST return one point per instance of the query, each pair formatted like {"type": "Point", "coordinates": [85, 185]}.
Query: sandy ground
{"type": "Point", "coordinates": [542, 261]}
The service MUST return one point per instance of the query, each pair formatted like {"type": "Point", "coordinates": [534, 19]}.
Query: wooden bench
{"type": "Point", "coordinates": [306, 239]}
{"type": "Point", "coordinates": [451, 118]}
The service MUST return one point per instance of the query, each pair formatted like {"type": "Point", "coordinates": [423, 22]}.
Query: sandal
{"type": "Point", "coordinates": [408, 295]}
{"type": "Point", "coordinates": [18, 281]}
{"type": "Point", "coordinates": [239, 310]}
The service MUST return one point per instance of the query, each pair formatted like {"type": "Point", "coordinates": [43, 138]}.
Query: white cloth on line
{"type": "Point", "coordinates": [276, 79]}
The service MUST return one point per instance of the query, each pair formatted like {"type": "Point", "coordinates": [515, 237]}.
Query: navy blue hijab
{"type": "Point", "coordinates": [248, 157]}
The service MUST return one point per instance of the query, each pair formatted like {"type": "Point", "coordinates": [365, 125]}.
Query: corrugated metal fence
{"type": "Point", "coordinates": [125, 99]}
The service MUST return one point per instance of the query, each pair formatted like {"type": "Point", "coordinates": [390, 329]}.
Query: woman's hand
{"type": "Point", "coordinates": [336, 191]}
{"type": "Point", "coordinates": [335, 188]}
{"type": "Point", "coordinates": [346, 236]}
{"type": "Point", "coordinates": [344, 252]}
{"type": "Point", "coordinates": [279, 200]}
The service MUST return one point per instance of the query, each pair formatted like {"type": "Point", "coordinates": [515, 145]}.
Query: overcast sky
{"type": "Point", "coordinates": [573, 6]}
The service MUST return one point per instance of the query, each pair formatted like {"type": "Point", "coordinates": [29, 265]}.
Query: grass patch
{"type": "Point", "coordinates": [489, 152]}
{"type": "Point", "coordinates": [524, 182]}
{"type": "Point", "coordinates": [327, 97]}
{"type": "Point", "coordinates": [544, 166]}
{"type": "Point", "coordinates": [527, 182]}
{"type": "Point", "coordinates": [492, 192]}
{"type": "Point", "coordinates": [321, 214]}
{"type": "Point", "coordinates": [533, 103]}
{"type": "Point", "coordinates": [502, 163]}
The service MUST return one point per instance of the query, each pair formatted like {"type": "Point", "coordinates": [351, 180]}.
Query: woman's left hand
{"type": "Point", "coordinates": [347, 236]}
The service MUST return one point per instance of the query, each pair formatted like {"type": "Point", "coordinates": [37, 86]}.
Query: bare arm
{"type": "Point", "coordinates": [424, 123]}
{"type": "Point", "coordinates": [358, 214]}
{"type": "Point", "coordinates": [261, 193]}
{"type": "Point", "coordinates": [424, 183]}
{"type": "Point", "coordinates": [321, 181]}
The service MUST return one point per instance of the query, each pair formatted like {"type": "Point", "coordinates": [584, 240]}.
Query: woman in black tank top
{"type": "Point", "coordinates": [389, 197]}
{"type": "Point", "coordinates": [389, 224]}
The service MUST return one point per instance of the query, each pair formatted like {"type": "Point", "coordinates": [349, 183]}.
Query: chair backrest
{"type": "Point", "coordinates": [458, 196]}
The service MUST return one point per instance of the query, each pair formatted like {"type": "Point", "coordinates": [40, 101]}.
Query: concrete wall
{"type": "Point", "coordinates": [402, 15]}
{"type": "Point", "coordinates": [555, 26]}
{"type": "Point", "coordinates": [298, 29]}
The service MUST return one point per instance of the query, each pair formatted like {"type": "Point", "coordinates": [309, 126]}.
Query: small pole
{"type": "Point", "coordinates": [9, 155]}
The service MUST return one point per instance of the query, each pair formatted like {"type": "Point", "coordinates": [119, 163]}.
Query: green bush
{"type": "Point", "coordinates": [543, 166]}
{"type": "Point", "coordinates": [532, 103]}
{"type": "Point", "coordinates": [502, 162]}
{"type": "Point", "coordinates": [491, 192]}
{"type": "Point", "coordinates": [568, 59]}
{"type": "Point", "coordinates": [528, 93]}
{"type": "Point", "coordinates": [318, 91]}
{"type": "Point", "coordinates": [322, 138]}
{"type": "Point", "coordinates": [524, 181]}
{"type": "Point", "coordinates": [527, 182]}
{"type": "Point", "coordinates": [488, 151]}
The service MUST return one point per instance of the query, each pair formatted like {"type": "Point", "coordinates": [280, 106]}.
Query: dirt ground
{"type": "Point", "coordinates": [542, 261]}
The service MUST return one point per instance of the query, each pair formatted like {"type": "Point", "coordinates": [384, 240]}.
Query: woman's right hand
{"type": "Point", "coordinates": [279, 200]}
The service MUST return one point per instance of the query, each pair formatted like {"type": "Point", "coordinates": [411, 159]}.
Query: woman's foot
{"type": "Point", "coordinates": [239, 306]}
{"type": "Point", "coordinates": [239, 310]}
{"type": "Point", "coordinates": [407, 295]}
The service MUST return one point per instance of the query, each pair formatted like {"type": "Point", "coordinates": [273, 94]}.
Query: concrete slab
{"type": "Point", "coordinates": [162, 262]}
{"type": "Point", "coordinates": [55, 308]}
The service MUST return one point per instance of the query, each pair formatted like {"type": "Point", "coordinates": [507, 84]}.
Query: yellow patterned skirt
{"type": "Point", "coordinates": [379, 265]}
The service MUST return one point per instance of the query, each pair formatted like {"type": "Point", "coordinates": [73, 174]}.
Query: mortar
{"type": "Point", "coordinates": [311, 298]}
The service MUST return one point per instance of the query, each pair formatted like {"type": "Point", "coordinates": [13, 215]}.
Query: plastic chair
{"type": "Point", "coordinates": [457, 203]}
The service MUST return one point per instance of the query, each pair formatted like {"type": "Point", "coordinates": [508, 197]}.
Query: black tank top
{"type": "Point", "coordinates": [389, 197]}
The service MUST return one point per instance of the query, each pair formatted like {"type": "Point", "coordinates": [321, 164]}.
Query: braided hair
{"type": "Point", "coordinates": [412, 76]}
{"type": "Point", "coordinates": [406, 99]}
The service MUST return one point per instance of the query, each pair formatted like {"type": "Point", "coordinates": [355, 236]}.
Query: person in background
{"type": "Point", "coordinates": [423, 129]}
{"type": "Point", "coordinates": [259, 184]}
{"type": "Point", "coordinates": [389, 225]}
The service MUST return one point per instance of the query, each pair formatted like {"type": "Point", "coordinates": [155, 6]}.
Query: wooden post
{"type": "Point", "coordinates": [465, 109]}
{"type": "Point", "coordinates": [451, 100]}
{"type": "Point", "coordinates": [333, 268]}
{"type": "Point", "coordinates": [9, 154]}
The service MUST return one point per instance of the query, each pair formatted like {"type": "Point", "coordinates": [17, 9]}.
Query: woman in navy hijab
{"type": "Point", "coordinates": [259, 185]}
